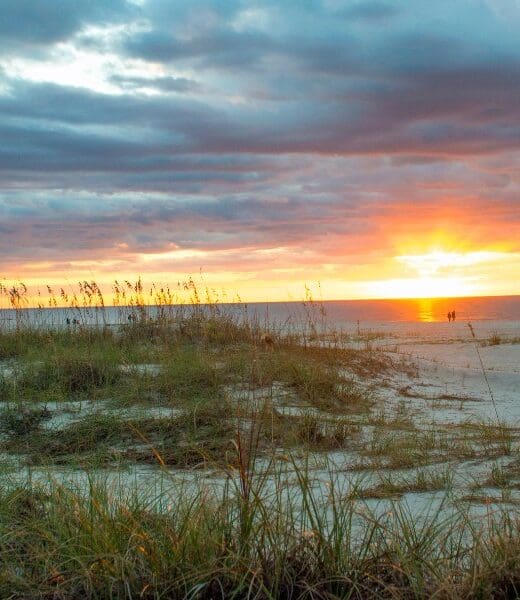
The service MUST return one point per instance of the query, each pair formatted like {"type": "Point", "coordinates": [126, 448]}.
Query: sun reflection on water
{"type": "Point", "coordinates": [425, 310]}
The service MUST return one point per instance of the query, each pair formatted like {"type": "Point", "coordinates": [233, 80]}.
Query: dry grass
{"type": "Point", "coordinates": [390, 487]}
{"type": "Point", "coordinates": [271, 531]}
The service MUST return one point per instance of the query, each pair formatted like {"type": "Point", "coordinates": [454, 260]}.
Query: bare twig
{"type": "Point", "coordinates": [484, 371]}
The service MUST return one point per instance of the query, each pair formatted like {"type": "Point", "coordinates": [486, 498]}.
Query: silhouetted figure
{"type": "Point", "coordinates": [68, 321]}
{"type": "Point", "coordinates": [453, 315]}
{"type": "Point", "coordinates": [449, 316]}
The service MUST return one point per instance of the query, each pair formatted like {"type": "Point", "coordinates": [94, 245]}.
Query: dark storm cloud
{"type": "Point", "coordinates": [49, 128]}
{"type": "Point", "coordinates": [370, 11]}
{"type": "Point", "coordinates": [26, 23]}
{"type": "Point", "coordinates": [165, 84]}
{"type": "Point", "coordinates": [159, 225]}
{"type": "Point", "coordinates": [407, 92]}
{"type": "Point", "coordinates": [226, 48]}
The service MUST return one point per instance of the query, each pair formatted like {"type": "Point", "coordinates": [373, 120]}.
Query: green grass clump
{"type": "Point", "coordinates": [202, 434]}
{"type": "Point", "coordinates": [310, 431]}
{"type": "Point", "coordinates": [318, 378]}
{"type": "Point", "coordinates": [11, 346]}
{"type": "Point", "coordinates": [189, 375]}
{"type": "Point", "coordinates": [245, 542]}
{"type": "Point", "coordinates": [31, 343]}
{"type": "Point", "coordinates": [391, 487]}
{"type": "Point", "coordinates": [89, 441]}
{"type": "Point", "coordinates": [215, 327]}
{"type": "Point", "coordinates": [65, 375]}
{"type": "Point", "coordinates": [324, 388]}
{"type": "Point", "coordinates": [499, 477]}
{"type": "Point", "coordinates": [6, 389]}
{"type": "Point", "coordinates": [22, 420]}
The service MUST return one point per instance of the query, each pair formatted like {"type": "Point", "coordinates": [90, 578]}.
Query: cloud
{"type": "Point", "coordinates": [31, 23]}
{"type": "Point", "coordinates": [371, 11]}
{"type": "Point", "coordinates": [180, 85]}
{"type": "Point", "coordinates": [465, 112]}
{"type": "Point", "coordinates": [227, 48]}
{"type": "Point", "coordinates": [327, 129]}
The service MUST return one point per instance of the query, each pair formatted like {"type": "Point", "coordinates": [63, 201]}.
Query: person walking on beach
{"type": "Point", "coordinates": [453, 315]}
{"type": "Point", "coordinates": [449, 316]}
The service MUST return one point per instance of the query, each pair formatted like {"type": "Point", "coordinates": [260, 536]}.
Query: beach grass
{"type": "Point", "coordinates": [249, 439]}
{"type": "Point", "coordinates": [254, 537]}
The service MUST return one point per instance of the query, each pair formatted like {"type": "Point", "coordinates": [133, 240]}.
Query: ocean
{"type": "Point", "coordinates": [343, 314]}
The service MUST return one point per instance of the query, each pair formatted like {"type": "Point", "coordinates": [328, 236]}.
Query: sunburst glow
{"type": "Point", "coordinates": [430, 264]}
{"type": "Point", "coordinates": [423, 287]}
{"type": "Point", "coordinates": [437, 274]}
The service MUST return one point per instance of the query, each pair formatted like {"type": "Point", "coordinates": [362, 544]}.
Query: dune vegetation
{"type": "Point", "coordinates": [257, 460]}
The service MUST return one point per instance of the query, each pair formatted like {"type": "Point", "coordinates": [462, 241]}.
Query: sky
{"type": "Point", "coordinates": [368, 147]}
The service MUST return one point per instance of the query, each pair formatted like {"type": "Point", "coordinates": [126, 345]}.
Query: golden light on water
{"type": "Point", "coordinates": [425, 311]}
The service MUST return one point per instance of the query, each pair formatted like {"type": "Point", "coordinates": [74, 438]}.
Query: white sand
{"type": "Point", "coordinates": [452, 365]}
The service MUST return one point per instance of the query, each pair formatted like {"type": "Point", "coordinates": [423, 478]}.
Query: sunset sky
{"type": "Point", "coordinates": [371, 146]}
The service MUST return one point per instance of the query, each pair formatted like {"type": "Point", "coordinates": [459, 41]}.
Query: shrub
{"type": "Point", "coordinates": [21, 421]}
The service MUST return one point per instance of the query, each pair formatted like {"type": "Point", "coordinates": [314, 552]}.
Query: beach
{"type": "Point", "coordinates": [405, 424]}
